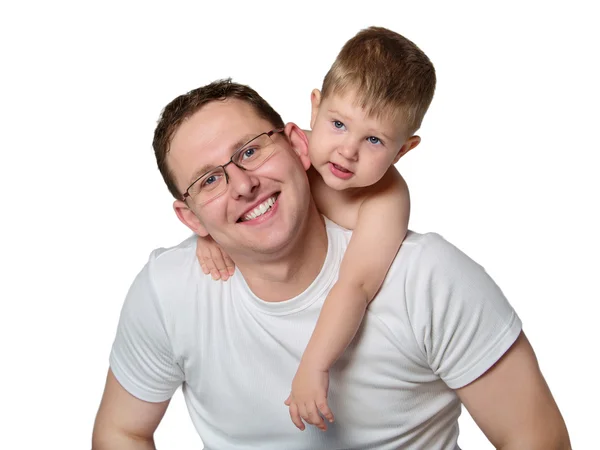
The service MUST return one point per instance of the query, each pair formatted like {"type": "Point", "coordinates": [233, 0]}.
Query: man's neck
{"type": "Point", "coordinates": [286, 275]}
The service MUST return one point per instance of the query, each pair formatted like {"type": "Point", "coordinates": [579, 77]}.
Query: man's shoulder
{"type": "Point", "coordinates": [165, 256]}
{"type": "Point", "coordinates": [413, 239]}
{"type": "Point", "coordinates": [426, 247]}
{"type": "Point", "coordinates": [172, 266]}
{"type": "Point", "coordinates": [426, 244]}
{"type": "Point", "coordinates": [423, 252]}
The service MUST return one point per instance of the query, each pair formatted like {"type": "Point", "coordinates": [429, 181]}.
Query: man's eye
{"type": "Point", "coordinates": [374, 140]}
{"type": "Point", "coordinates": [249, 153]}
{"type": "Point", "coordinates": [339, 125]}
{"type": "Point", "coordinates": [210, 181]}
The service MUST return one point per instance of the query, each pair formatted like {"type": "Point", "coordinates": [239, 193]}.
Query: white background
{"type": "Point", "coordinates": [507, 171]}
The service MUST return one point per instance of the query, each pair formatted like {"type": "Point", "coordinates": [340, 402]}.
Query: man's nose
{"type": "Point", "coordinates": [241, 182]}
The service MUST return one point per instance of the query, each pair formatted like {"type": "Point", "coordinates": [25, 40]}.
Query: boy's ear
{"type": "Point", "coordinates": [411, 143]}
{"type": "Point", "coordinates": [315, 101]}
{"type": "Point", "coordinates": [299, 142]}
{"type": "Point", "coordinates": [188, 218]}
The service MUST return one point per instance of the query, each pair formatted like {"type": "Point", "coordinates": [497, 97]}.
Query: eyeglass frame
{"type": "Point", "coordinates": [186, 194]}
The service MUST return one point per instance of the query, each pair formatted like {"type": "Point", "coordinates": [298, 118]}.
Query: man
{"type": "Point", "coordinates": [439, 332]}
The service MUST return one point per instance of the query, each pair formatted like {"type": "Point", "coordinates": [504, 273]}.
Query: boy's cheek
{"type": "Point", "coordinates": [318, 146]}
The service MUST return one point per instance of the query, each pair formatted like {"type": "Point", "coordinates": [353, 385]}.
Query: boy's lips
{"type": "Point", "coordinates": [340, 171]}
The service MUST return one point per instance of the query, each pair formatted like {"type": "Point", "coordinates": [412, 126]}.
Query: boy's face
{"type": "Point", "coordinates": [351, 149]}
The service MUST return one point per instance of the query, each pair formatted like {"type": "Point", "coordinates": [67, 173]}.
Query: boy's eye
{"type": "Point", "coordinates": [339, 125]}
{"type": "Point", "coordinates": [374, 140]}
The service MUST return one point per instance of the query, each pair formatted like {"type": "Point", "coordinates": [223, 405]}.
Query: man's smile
{"type": "Point", "coordinates": [260, 208]}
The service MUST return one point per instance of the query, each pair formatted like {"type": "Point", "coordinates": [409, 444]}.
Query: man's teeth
{"type": "Point", "coordinates": [260, 209]}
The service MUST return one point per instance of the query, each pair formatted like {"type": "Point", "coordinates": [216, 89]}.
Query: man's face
{"type": "Point", "coordinates": [350, 149]}
{"type": "Point", "coordinates": [208, 139]}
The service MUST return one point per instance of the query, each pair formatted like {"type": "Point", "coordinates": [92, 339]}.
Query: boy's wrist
{"type": "Point", "coordinates": [313, 364]}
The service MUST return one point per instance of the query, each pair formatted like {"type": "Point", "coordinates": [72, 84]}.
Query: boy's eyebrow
{"type": "Point", "coordinates": [232, 148]}
{"type": "Point", "coordinates": [387, 138]}
{"type": "Point", "coordinates": [337, 113]}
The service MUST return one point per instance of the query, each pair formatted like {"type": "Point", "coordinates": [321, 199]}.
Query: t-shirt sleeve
{"type": "Point", "coordinates": [142, 357]}
{"type": "Point", "coordinates": [462, 321]}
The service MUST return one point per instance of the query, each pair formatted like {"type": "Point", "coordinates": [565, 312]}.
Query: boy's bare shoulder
{"type": "Point", "coordinates": [336, 205]}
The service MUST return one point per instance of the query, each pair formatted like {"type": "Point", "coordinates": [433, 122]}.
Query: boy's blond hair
{"type": "Point", "coordinates": [389, 75]}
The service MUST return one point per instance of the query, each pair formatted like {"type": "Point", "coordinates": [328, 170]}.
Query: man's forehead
{"type": "Point", "coordinates": [227, 121]}
{"type": "Point", "coordinates": [211, 135]}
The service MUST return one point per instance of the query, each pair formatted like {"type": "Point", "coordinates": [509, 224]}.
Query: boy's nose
{"type": "Point", "coordinates": [349, 151]}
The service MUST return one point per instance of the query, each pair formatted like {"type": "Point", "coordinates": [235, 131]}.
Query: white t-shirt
{"type": "Point", "coordinates": [437, 324]}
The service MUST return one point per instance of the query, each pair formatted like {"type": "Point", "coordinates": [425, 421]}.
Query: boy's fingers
{"type": "Point", "coordinates": [288, 400]}
{"type": "Point", "coordinates": [310, 415]}
{"type": "Point", "coordinates": [220, 260]}
{"type": "Point", "coordinates": [224, 275]}
{"type": "Point", "coordinates": [212, 261]}
{"type": "Point", "coordinates": [199, 247]}
{"type": "Point", "coordinates": [229, 264]}
{"type": "Point", "coordinates": [208, 260]}
{"type": "Point", "coordinates": [295, 416]}
{"type": "Point", "coordinates": [324, 409]}
{"type": "Point", "coordinates": [217, 257]}
{"type": "Point", "coordinates": [210, 266]}
{"type": "Point", "coordinates": [313, 416]}
{"type": "Point", "coordinates": [201, 258]}
{"type": "Point", "coordinates": [229, 268]}
{"type": "Point", "coordinates": [303, 413]}
{"type": "Point", "coordinates": [204, 268]}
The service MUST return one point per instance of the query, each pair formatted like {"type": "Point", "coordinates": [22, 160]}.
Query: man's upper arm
{"type": "Point", "coordinates": [124, 420]}
{"type": "Point", "coordinates": [143, 359]}
{"type": "Point", "coordinates": [472, 339]}
{"type": "Point", "coordinates": [512, 403]}
{"type": "Point", "coordinates": [144, 368]}
{"type": "Point", "coordinates": [460, 318]}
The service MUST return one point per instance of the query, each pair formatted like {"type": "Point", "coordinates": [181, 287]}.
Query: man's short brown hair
{"type": "Point", "coordinates": [186, 105]}
{"type": "Point", "coordinates": [388, 73]}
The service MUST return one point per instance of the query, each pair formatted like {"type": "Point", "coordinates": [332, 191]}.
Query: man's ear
{"type": "Point", "coordinates": [315, 102]}
{"type": "Point", "coordinates": [188, 218]}
{"type": "Point", "coordinates": [411, 143]}
{"type": "Point", "coordinates": [299, 142]}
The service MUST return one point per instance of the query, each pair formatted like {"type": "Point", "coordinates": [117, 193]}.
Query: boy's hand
{"type": "Point", "coordinates": [213, 259]}
{"type": "Point", "coordinates": [308, 399]}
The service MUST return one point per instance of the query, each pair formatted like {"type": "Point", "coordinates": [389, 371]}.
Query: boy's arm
{"type": "Point", "coordinates": [380, 228]}
{"type": "Point", "coordinates": [381, 225]}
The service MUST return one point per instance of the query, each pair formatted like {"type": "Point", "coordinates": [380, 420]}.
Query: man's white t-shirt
{"type": "Point", "coordinates": [437, 324]}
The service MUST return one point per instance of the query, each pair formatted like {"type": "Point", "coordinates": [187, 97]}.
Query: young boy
{"type": "Point", "coordinates": [363, 121]}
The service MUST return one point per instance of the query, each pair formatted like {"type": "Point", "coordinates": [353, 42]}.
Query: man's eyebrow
{"type": "Point", "coordinates": [232, 149]}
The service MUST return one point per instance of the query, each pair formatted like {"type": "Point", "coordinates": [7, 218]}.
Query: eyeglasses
{"type": "Point", "coordinates": [250, 156]}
